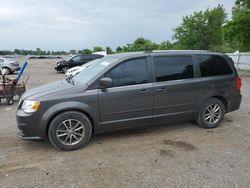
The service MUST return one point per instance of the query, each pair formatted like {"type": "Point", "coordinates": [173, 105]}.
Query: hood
{"type": "Point", "coordinates": [49, 89]}
{"type": "Point", "coordinates": [73, 69]}
{"type": "Point", "coordinates": [63, 62]}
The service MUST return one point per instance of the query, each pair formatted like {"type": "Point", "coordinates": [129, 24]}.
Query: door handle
{"type": "Point", "coordinates": [162, 89]}
{"type": "Point", "coordinates": [143, 91]}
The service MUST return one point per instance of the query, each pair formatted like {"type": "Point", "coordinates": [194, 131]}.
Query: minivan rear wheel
{"type": "Point", "coordinates": [70, 130]}
{"type": "Point", "coordinates": [211, 113]}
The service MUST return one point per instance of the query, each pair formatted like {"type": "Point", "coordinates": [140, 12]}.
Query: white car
{"type": "Point", "coordinates": [75, 70]}
{"type": "Point", "coordinates": [8, 66]}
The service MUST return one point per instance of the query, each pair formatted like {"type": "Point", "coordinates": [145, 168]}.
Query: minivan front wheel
{"type": "Point", "coordinates": [211, 113]}
{"type": "Point", "coordinates": [70, 130]}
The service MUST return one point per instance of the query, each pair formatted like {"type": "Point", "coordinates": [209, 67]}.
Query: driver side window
{"type": "Point", "coordinates": [130, 72]}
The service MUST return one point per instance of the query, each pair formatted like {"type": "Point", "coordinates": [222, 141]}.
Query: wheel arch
{"type": "Point", "coordinates": [222, 96]}
{"type": "Point", "coordinates": [66, 110]}
{"type": "Point", "coordinates": [5, 67]}
{"type": "Point", "coordinates": [54, 111]}
{"type": "Point", "coordinates": [223, 100]}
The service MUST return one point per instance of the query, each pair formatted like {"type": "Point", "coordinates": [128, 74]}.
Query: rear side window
{"type": "Point", "coordinates": [173, 68]}
{"type": "Point", "coordinates": [213, 65]}
{"type": "Point", "coordinates": [130, 72]}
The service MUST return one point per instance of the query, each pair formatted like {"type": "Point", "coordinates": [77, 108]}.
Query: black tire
{"type": "Point", "coordinates": [63, 119]}
{"type": "Point", "coordinates": [204, 117]}
{"type": "Point", "coordinates": [10, 101]}
{"type": "Point", "coordinates": [64, 69]}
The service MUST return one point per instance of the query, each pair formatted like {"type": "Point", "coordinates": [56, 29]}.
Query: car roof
{"type": "Point", "coordinates": [91, 55]}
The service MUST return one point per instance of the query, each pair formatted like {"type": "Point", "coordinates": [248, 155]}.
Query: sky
{"type": "Point", "coordinates": [78, 24]}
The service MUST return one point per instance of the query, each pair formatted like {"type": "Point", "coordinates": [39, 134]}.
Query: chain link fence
{"type": "Point", "coordinates": [241, 60]}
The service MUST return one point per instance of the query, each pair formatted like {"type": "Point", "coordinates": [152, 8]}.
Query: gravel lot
{"type": "Point", "coordinates": [176, 155]}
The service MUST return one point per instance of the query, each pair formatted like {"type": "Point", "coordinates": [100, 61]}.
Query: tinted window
{"type": "Point", "coordinates": [77, 59]}
{"type": "Point", "coordinates": [212, 65]}
{"type": "Point", "coordinates": [130, 72]}
{"type": "Point", "coordinates": [173, 68]}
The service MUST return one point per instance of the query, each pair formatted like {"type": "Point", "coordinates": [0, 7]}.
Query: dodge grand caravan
{"type": "Point", "coordinates": [130, 90]}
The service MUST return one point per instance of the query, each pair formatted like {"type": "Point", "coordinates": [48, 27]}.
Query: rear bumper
{"type": "Point", "coordinates": [234, 103]}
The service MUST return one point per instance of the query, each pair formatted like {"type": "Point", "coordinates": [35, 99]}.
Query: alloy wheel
{"type": "Point", "coordinates": [70, 132]}
{"type": "Point", "coordinates": [212, 113]}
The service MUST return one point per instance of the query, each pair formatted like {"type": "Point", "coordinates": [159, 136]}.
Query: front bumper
{"type": "Point", "coordinates": [58, 68]}
{"type": "Point", "coordinates": [21, 135]}
{"type": "Point", "coordinates": [29, 126]}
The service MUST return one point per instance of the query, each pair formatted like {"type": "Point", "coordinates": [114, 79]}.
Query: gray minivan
{"type": "Point", "coordinates": [130, 90]}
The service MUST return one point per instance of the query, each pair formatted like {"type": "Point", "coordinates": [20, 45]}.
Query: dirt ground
{"type": "Point", "coordinates": [176, 155]}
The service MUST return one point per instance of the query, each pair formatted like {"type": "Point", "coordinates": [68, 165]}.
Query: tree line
{"type": "Point", "coordinates": [204, 30]}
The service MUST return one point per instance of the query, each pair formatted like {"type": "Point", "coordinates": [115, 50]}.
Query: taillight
{"type": "Point", "coordinates": [238, 83]}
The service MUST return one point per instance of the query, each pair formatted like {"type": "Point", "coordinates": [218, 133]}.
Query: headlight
{"type": "Point", "coordinates": [58, 64]}
{"type": "Point", "coordinates": [30, 106]}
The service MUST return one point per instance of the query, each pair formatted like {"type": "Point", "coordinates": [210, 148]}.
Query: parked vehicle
{"type": "Point", "coordinates": [75, 70]}
{"type": "Point", "coordinates": [77, 60]}
{"type": "Point", "coordinates": [10, 87]}
{"type": "Point", "coordinates": [131, 90]}
{"type": "Point", "coordinates": [9, 66]}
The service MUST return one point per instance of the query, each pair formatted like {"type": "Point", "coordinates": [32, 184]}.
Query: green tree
{"type": "Point", "coordinates": [109, 50]}
{"type": "Point", "coordinates": [202, 30]}
{"type": "Point", "coordinates": [237, 31]}
{"type": "Point", "coordinates": [86, 51]}
{"type": "Point", "coordinates": [142, 44]}
{"type": "Point", "coordinates": [240, 6]}
{"type": "Point", "coordinates": [165, 45]}
{"type": "Point", "coordinates": [17, 51]}
{"type": "Point", "coordinates": [118, 49]}
{"type": "Point", "coordinates": [97, 49]}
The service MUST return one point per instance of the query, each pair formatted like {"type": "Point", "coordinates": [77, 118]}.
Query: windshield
{"type": "Point", "coordinates": [69, 58]}
{"type": "Point", "coordinates": [93, 68]}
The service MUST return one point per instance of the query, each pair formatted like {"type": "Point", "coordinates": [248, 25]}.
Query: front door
{"type": "Point", "coordinates": [129, 102]}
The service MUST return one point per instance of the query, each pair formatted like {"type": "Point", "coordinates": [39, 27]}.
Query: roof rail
{"type": "Point", "coordinates": [175, 51]}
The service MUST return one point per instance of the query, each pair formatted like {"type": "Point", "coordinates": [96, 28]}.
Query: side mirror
{"type": "Point", "coordinates": [105, 82]}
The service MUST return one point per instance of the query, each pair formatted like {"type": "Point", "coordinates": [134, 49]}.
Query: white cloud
{"type": "Point", "coordinates": [66, 24]}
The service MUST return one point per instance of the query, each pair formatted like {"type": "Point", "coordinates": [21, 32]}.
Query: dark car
{"type": "Point", "coordinates": [131, 90]}
{"type": "Point", "coordinates": [77, 60]}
